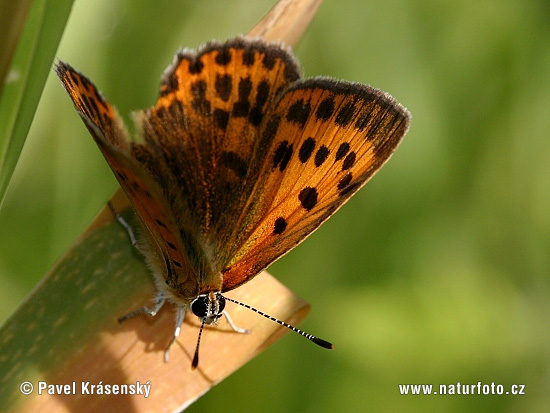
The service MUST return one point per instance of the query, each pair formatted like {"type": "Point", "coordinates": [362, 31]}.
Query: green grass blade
{"type": "Point", "coordinates": [26, 77]}
{"type": "Point", "coordinates": [13, 15]}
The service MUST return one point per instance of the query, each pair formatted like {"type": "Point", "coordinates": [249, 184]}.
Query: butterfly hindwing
{"type": "Point", "coordinates": [323, 140]}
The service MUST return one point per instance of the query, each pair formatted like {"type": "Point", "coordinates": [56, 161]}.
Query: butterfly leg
{"type": "Point", "coordinates": [125, 224]}
{"type": "Point", "coordinates": [159, 302]}
{"type": "Point", "coordinates": [233, 326]}
{"type": "Point", "coordinates": [179, 320]}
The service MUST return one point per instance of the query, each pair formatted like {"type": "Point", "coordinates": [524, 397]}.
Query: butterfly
{"type": "Point", "coordinates": [239, 160]}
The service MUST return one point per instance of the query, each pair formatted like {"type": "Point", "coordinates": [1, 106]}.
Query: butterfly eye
{"type": "Point", "coordinates": [199, 306]}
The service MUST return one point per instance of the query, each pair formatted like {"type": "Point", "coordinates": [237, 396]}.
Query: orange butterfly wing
{"type": "Point", "coordinates": [322, 141]}
{"type": "Point", "coordinates": [205, 128]}
{"type": "Point", "coordinates": [167, 260]}
{"type": "Point", "coordinates": [205, 123]}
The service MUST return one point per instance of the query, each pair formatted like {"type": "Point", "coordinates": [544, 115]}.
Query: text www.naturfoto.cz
{"type": "Point", "coordinates": [459, 388]}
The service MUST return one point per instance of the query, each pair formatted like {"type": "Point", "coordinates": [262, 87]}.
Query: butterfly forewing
{"type": "Point", "coordinates": [92, 107]}
{"type": "Point", "coordinates": [145, 194]}
{"type": "Point", "coordinates": [322, 141]}
{"type": "Point", "coordinates": [205, 125]}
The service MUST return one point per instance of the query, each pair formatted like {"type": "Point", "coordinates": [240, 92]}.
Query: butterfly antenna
{"type": "Point", "coordinates": [310, 337]}
{"type": "Point", "coordinates": [195, 362]}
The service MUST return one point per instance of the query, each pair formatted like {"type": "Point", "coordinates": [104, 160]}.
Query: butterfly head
{"type": "Point", "coordinates": [208, 307]}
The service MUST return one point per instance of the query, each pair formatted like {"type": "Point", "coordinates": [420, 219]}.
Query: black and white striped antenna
{"type": "Point", "coordinates": [310, 337]}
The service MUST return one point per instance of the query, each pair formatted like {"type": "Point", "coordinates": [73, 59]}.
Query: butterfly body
{"type": "Point", "coordinates": [239, 160]}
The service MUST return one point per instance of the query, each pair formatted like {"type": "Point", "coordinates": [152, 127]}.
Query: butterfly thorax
{"type": "Point", "coordinates": [174, 277]}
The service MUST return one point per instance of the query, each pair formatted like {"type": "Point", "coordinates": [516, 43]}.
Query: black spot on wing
{"type": "Point", "coordinates": [256, 113]}
{"type": "Point", "coordinates": [321, 155]}
{"type": "Point", "coordinates": [308, 197]}
{"type": "Point", "coordinates": [200, 103]}
{"type": "Point", "coordinates": [342, 150]}
{"type": "Point", "coordinates": [221, 118]}
{"type": "Point", "coordinates": [195, 66]}
{"type": "Point", "coordinates": [242, 106]}
{"type": "Point", "coordinates": [345, 181]}
{"type": "Point", "coordinates": [271, 128]}
{"type": "Point", "coordinates": [306, 150]}
{"type": "Point", "coordinates": [282, 155]}
{"type": "Point", "coordinates": [223, 58]}
{"type": "Point", "coordinates": [298, 112]}
{"type": "Point", "coordinates": [270, 59]}
{"type": "Point", "coordinates": [249, 57]}
{"type": "Point", "coordinates": [255, 116]}
{"type": "Point", "coordinates": [223, 86]}
{"type": "Point", "coordinates": [345, 114]}
{"type": "Point", "coordinates": [280, 225]}
{"type": "Point", "coordinates": [169, 85]}
{"type": "Point", "coordinates": [363, 120]}
{"type": "Point", "coordinates": [348, 161]}
{"type": "Point", "coordinates": [262, 93]}
{"type": "Point", "coordinates": [325, 109]}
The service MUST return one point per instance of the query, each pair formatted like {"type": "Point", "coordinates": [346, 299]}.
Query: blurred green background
{"type": "Point", "coordinates": [437, 272]}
